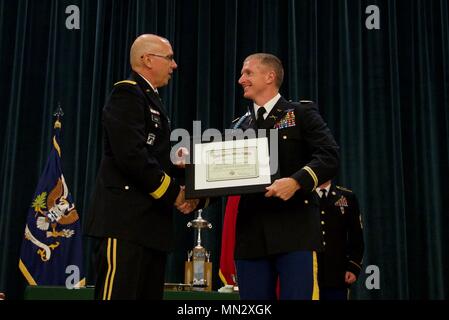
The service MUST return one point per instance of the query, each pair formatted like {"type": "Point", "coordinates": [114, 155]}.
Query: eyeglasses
{"type": "Point", "coordinates": [169, 57]}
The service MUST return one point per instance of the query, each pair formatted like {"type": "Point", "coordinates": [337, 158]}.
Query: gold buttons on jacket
{"type": "Point", "coordinates": [322, 212]}
{"type": "Point", "coordinates": [306, 201]}
{"type": "Point", "coordinates": [322, 222]}
{"type": "Point", "coordinates": [324, 243]}
{"type": "Point", "coordinates": [126, 187]}
{"type": "Point", "coordinates": [284, 137]}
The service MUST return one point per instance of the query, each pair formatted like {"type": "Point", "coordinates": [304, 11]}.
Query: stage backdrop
{"type": "Point", "coordinates": [384, 93]}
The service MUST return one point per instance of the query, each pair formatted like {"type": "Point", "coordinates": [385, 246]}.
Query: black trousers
{"type": "Point", "coordinates": [126, 271]}
{"type": "Point", "coordinates": [333, 294]}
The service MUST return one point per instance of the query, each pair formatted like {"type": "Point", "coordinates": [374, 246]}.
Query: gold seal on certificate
{"type": "Point", "coordinates": [229, 167]}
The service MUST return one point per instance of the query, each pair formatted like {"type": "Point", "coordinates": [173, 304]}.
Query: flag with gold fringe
{"type": "Point", "coordinates": [51, 252]}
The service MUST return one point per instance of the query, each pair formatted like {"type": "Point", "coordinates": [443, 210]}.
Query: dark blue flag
{"type": "Point", "coordinates": [52, 247]}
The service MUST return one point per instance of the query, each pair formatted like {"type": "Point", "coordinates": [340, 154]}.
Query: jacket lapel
{"type": "Point", "coordinates": [149, 93]}
{"type": "Point", "coordinates": [333, 195]}
{"type": "Point", "coordinates": [276, 114]}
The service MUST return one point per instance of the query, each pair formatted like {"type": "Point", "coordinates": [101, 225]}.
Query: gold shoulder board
{"type": "Point", "coordinates": [343, 188]}
{"type": "Point", "coordinates": [126, 81]}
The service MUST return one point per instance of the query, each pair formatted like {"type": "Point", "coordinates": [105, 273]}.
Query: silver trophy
{"type": "Point", "coordinates": [198, 268]}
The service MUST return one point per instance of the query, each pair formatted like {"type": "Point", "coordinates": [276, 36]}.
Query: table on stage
{"type": "Point", "coordinates": [87, 293]}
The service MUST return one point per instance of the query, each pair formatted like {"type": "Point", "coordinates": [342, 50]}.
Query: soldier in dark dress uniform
{"type": "Point", "coordinates": [131, 207]}
{"type": "Point", "coordinates": [278, 232]}
{"type": "Point", "coordinates": [340, 263]}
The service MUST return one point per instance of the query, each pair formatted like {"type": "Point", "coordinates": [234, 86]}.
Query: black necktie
{"type": "Point", "coordinates": [260, 119]}
{"type": "Point", "coordinates": [323, 193]}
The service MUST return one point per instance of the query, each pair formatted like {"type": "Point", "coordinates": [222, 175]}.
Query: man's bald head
{"type": "Point", "coordinates": [151, 57]}
{"type": "Point", "coordinates": [144, 44]}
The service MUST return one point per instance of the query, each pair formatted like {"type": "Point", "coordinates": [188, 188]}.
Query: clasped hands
{"type": "Point", "coordinates": [183, 205]}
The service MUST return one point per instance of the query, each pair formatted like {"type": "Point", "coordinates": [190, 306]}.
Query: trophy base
{"type": "Point", "coordinates": [177, 287]}
{"type": "Point", "coordinates": [188, 276]}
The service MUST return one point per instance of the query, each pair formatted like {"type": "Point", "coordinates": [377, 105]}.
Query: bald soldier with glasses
{"type": "Point", "coordinates": [137, 184]}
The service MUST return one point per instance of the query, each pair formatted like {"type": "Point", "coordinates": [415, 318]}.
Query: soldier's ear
{"type": "Point", "coordinates": [147, 61]}
{"type": "Point", "coordinates": [271, 77]}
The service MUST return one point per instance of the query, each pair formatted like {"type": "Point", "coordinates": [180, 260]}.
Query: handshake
{"type": "Point", "coordinates": [183, 205]}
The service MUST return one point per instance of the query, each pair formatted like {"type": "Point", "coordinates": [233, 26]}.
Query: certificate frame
{"type": "Point", "coordinates": [230, 167]}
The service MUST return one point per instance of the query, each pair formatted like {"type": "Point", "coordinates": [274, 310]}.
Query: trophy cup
{"type": "Point", "coordinates": [198, 268]}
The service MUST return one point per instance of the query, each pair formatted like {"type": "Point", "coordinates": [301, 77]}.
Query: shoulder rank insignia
{"type": "Point", "coordinates": [305, 101]}
{"type": "Point", "coordinates": [343, 189]}
{"type": "Point", "coordinates": [126, 81]}
{"type": "Point", "coordinates": [287, 121]}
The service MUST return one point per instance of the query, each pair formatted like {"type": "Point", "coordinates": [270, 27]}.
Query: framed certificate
{"type": "Point", "coordinates": [229, 167]}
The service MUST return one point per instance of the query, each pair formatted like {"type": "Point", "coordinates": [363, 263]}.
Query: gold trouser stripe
{"type": "Point", "coordinates": [111, 251]}
{"type": "Point", "coordinates": [126, 81]}
{"type": "Point", "coordinates": [313, 175]}
{"type": "Point", "coordinates": [26, 274]}
{"type": "Point", "coordinates": [114, 266]}
{"type": "Point", "coordinates": [316, 289]}
{"type": "Point", "coordinates": [165, 182]}
{"type": "Point", "coordinates": [206, 203]}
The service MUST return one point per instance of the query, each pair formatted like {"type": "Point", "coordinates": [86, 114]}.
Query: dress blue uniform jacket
{"type": "Point", "coordinates": [135, 188]}
{"type": "Point", "coordinates": [307, 153]}
{"type": "Point", "coordinates": [342, 238]}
